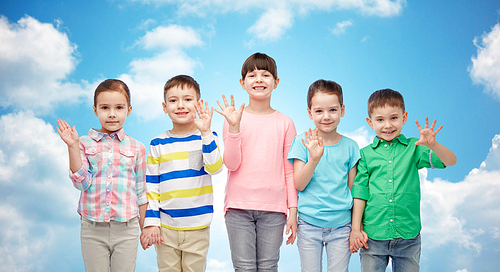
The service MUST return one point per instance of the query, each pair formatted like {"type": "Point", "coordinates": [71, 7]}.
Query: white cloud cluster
{"type": "Point", "coordinates": [341, 27]}
{"type": "Point", "coordinates": [35, 58]}
{"type": "Point", "coordinates": [278, 15]}
{"type": "Point", "coordinates": [485, 69]}
{"type": "Point", "coordinates": [38, 200]}
{"type": "Point", "coordinates": [147, 76]}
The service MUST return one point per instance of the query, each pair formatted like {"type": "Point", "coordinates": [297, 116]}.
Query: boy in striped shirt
{"type": "Point", "coordinates": [178, 180]}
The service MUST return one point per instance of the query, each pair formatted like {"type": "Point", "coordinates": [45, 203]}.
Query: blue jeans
{"type": "Point", "coordinates": [405, 255]}
{"type": "Point", "coordinates": [312, 239]}
{"type": "Point", "coordinates": [255, 238]}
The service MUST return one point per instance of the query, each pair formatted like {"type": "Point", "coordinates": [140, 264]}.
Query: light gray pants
{"type": "Point", "coordinates": [112, 244]}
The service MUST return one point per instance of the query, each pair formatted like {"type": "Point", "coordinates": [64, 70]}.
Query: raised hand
{"type": "Point", "coordinates": [427, 135]}
{"type": "Point", "coordinates": [232, 115]}
{"type": "Point", "coordinates": [67, 133]}
{"type": "Point", "coordinates": [314, 144]}
{"type": "Point", "coordinates": [205, 117]}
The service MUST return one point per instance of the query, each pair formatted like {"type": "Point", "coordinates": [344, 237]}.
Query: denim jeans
{"type": "Point", "coordinates": [405, 255]}
{"type": "Point", "coordinates": [312, 239]}
{"type": "Point", "coordinates": [255, 238]}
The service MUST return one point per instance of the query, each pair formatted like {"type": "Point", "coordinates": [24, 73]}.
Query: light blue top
{"type": "Point", "coordinates": [326, 201]}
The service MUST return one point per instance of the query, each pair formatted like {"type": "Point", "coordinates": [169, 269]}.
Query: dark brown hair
{"type": "Point", "coordinates": [384, 97]}
{"type": "Point", "coordinates": [182, 81]}
{"type": "Point", "coordinates": [324, 86]}
{"type": "Point", "coordinates": [112, 85]}
{"type": "Point", "coordinates": [259, 61]}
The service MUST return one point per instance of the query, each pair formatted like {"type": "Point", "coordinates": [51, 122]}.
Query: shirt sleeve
{"type": "Point", "coordinates": [292, 196]}
{"type": "Point", "coordinates": [211, 154]}
{"type": "Point", "coordinates": [428, 159]}
{"type": "Point", "coordinates": [153, 187]}
{"type": "Point", "coordinates": [355, 155]}
{"type": "Point", "coordinates": [140, 175]}
{"type": "Point", "coordinates": [82, 179]}
{"type": "Point", "coordinates": [360, 187]}
{"type": "Point", "coordinates": [232, 148]}
{"type": "Point", "coordinates": [298, 150]}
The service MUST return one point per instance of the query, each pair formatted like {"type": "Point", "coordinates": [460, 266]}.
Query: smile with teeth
{"type": "Point", "coordinates": [259, 88]}
{"type": "Point", "coordinates": [182, 113]}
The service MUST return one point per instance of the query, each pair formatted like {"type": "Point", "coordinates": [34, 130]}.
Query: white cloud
{"type": "Point", "coordinates": [38, 203]}
{"type": "Point", "coordinates": [147, 76]}
{"type": "Point", "coordinates": [341, 27]}
{"type": "Point", "coordinates": [361, 135]}
{"type": "Point", "coordinates": [35, 58]}
{"type": "Point", "coordinates": [485, 69]}
{"type": "Point", "coordinates": [172, 36]}
{"type": "Point", "coordinates": [278, 16]}
{"type": "Point", "coordinates": [272, 24]}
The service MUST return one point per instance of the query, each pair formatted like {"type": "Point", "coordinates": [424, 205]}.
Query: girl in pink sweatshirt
{"type": "Point", "coordinates": [260, 191]}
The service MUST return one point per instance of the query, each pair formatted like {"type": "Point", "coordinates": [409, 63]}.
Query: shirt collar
{"type": "Point", "coordinates": [401, 139]}
{"type": "Point", "coordinates": [97, 135]}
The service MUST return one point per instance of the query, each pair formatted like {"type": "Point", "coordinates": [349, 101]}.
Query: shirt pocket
{"type": "Point", "coordinates": [126, 157]}
{"type": "Point", "coordinates": [93, 155]}
{"type": "Point", "coordinates": [196, 160]}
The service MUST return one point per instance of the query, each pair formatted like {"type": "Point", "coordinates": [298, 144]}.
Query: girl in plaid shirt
{"type": "Point", "coordinates": [108, 167]}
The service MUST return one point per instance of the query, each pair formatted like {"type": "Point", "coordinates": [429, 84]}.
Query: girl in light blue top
{"type": "Point", "coordinates": [324, 169]}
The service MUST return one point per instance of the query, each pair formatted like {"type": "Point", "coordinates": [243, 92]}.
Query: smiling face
{"type": "Point", "coordinates": [259, 84]}
{"type": "Point", "coordinates": [387, 122]}
{"type": "Point", "coordinates": [325, 112]}
{"type": "Point", "coordinates": [180, 105]}
{"type": "Point", "coordinates": [112, 108]}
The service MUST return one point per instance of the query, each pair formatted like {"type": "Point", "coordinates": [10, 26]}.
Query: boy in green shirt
{"type": "Point", "coordinates": [386, 190]}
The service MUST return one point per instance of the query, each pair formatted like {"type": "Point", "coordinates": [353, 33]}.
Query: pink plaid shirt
{"type": "Point", "coordinates": [112, 178]}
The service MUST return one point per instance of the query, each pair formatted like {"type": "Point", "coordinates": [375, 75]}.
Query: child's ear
{"type": "Point", "coordinates": [276, 81]}
{"type": "Point", "coordinates": [405, 117]}
{"type": "Point", "coordinates": [95, 111]}
{"type": "Point", "coordinates": [129, 110]}
{"type": "Point", "coordinates": [309, 112]}
{"type": "Point", "coordinates": [342, 110]}
{"type": "Point", "coordinates": [164, 107]}
{"type": "Point", "coordinates": [242, 83]}
{"type": "Point", "coordinates": [369, 121]}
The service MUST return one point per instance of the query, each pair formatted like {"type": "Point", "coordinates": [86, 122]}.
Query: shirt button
{"type": "Point", "coordinates": [390, 161]}
{"type": "Point", "coordinates": [110, 151]}
{"type": "Point", "coordinates": [391, 220]}
{"type": "Point", "coordinates": [390, 180]}
{"type": "Point", "coordinates": [385, 145]}
{"type": "Point", "coordinates": [390, 200]}
{"type": "Point", "coordinates": [107, 204]}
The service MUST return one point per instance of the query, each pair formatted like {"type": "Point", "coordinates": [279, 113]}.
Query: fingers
{"type": "Point", "coordinates": [418, 125]}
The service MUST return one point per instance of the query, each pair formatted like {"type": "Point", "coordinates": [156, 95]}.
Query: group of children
{"type": "Point", "coordinates": [348, 199]}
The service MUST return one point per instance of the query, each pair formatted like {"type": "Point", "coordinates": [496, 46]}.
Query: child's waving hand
{"type": "Point", "coordinates": [205, 118]}
{"type": "Point", "coordinates": [68, 134]}
{"type": "Point", "coordinates": [232, 115]}
{"type": "Point", "coordinates": [427, 135]}
{"type": "Point", "coordinates": [314, 144]}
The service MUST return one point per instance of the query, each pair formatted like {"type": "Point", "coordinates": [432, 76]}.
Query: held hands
{"type": "Point", "coordinates": [150, 236]}
{"type": "Point", "coordinates": [205, 117]}
{"type": "Point", "coordinates": [232, 115]}
{"type": "Point", "coordinates": [68, 134]}
{"type": "Point", "coordinates": [427, 135]}
{"type": "Point", "coordinates": [314, 144]}
{"type": "Point", "coordinates": [357, 239]}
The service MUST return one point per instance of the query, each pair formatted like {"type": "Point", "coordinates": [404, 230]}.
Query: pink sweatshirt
{"type": "Point", "coordinates": [260, 177]}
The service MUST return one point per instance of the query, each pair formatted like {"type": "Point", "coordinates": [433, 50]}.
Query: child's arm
{"type": "Point", "coordinates": [211, 155]}
{"type": "Point", "coordinates": [358, 237]}
{"type": "Point", "coordinates": [303, 172]}
{"type": "Point", "coordinates": [70, 136]}
{"type": "Point", "coordinates": [232, 115]}
{"type": "Point", "coordinates": [149, 236]}
{"type": "Point", "coordinates": [142, 214]}
{"type": "Point", "coordinates": [428, 138]}
{"type": "Point", "coordinates": [140, 184]}
{"type": "Point", "coordinates": [351, 176]}
{"type": "Point", "coordinates": [291, 225]}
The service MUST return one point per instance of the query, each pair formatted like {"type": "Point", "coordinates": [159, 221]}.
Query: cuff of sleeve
{"type": "Point", "coordinates": [207, 139]}
{"type": "Point", "coordinates": [151, 222]}
{"type": "Point", "coordinates": [360, 192]}
{"type": "Point", "coordinates": [143, 199]}
{"type": "Point", "coordinates": [435, 161]}
{"type": "Point", "coordinates": [78, 176]}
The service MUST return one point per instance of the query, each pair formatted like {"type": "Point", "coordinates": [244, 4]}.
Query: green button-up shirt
{"type": "Point", "coordinates": [388, 180]}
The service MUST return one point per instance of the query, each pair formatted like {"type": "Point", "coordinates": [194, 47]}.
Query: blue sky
{"type": "Point", "coordinates": [443, 57]}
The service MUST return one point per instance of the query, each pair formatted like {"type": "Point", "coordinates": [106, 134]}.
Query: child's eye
{"type": "Point", "coordinates": [319, 111]}
{"type": "Point", "coordinates": [189, 99]}
{"type": "Point", "coordinates": [120, 107]}
{"type": "Point", "coordinates": [379, 120]}
{"type": "Point", "coordinates": [334, 110]}
{"type": "Point", "coordinates": [172, 100]}
{"type": "Point", "coordinates": [104, 107]}
{"type": "Point", "coordinates": [394, 118]}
